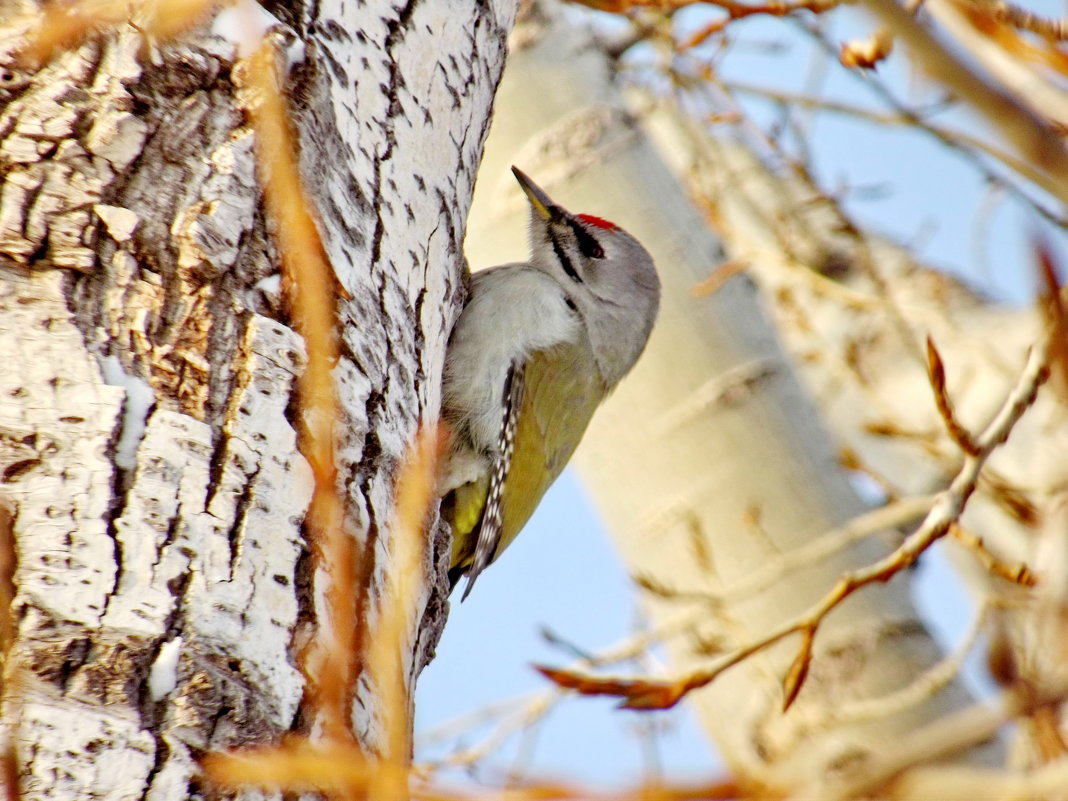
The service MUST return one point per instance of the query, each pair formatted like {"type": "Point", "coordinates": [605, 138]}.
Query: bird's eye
{"type": "Point", "coordinates": [589, 246]}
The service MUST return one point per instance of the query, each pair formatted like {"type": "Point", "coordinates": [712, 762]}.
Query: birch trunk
{"type": "Point", "coordinates": [710, 461]}
{"type": "Point", "coordinates": [147, 424]}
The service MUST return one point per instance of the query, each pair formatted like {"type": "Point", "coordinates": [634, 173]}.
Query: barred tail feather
{"type": "Point", "coordinates": [489, 532]}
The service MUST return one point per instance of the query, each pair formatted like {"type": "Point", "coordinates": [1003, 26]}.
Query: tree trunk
{"type": "Point", "coordinates": [709, 461]}
{"type": "Point", "coordinates": [148, 446]}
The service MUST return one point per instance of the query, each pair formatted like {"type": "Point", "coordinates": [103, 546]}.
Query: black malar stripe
{"type": "Point", "coordinates": [565, 262]}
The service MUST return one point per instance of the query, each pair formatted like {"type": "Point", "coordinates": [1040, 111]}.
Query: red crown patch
{"type": "Point", "coordinates": [598, 221]}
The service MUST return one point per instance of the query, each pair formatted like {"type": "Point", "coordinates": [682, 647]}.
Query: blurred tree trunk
{"type": "Point", "coordinates": [710, 461]}
{"type": "Point", "coordinates": [855, 311]}
{"type": "Point", "coordinates": [148, 446]}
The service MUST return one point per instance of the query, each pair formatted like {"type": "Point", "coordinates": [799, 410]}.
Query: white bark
{"type": "Point", "coordinates": [177, 537]}
{"type": "Point", "coordinates": [392, 163]}
{"type": "Point", "coordinates": [709, 461]}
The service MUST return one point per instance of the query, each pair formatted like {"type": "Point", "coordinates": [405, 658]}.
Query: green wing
{"type": "Point", "coordinates": [561, 390]}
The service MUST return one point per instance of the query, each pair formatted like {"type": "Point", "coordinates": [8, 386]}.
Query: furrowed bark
{"type": "Point", "coordinates": [148, 429]}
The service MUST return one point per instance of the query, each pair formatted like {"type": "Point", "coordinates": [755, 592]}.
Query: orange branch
{"type": "Point", "coordinates": [1055, 313]}
{"type": "Point", "coordinates": [330, 665]}
{"type": "Point", "coordinates": [65, 25]}
{"type": "Point", "coordinates": [736, 11]}
{"type": "Point", "coordinates": [946, 510]}
{"type": "Point", "coordinates": [936, 372]}
{"type": "Point", "coordinates": [1020, 574]}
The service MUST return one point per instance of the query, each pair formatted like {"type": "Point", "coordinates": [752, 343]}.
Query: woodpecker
{"type": "Point", "coordinates": [536, 349]}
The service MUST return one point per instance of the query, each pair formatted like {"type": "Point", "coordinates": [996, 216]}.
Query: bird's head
{"type": "Point", "coordinates": [606, 274]}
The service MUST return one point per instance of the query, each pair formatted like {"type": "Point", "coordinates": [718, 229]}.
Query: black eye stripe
{"type": "Point", "coordinates": [565, 262]}
{"type": "Point", "coordinates": [589, 245]}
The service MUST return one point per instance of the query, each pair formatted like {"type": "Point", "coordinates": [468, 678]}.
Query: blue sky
{"type": "Point", "coordinates": [562, 572]}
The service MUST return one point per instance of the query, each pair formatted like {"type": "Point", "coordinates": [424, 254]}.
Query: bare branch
{"type": "Point", "coordinates": [66, 24]}
{"type": "Point", "coordinates": [1033, 137]}
{"type": "Point", "coordinates": [1019, 574]}
{"type": "Point", "coordinates": [936, 372]}
{"type": "Point", "coordinates": [652, 694]}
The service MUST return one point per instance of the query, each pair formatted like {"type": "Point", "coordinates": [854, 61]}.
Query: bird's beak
{"type": "Point", "coordinates": [541, 202]}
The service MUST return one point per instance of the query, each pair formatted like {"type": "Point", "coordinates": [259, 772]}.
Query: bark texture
{"type": "Point", "coordinates": [147, 425]}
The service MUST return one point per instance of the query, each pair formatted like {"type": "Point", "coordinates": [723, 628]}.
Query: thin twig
{"type": "Point", "coordinates": [895, 514]}
{"type": "Point", "coordinates": [1037, 141]}
{"type": "Point", "coordinates": [961, 146]}
{"type": "Point", "coordinates": [330, 666]}
{"type": "Point", "coordinates": [736, 11]}
{"type": "Point", "coordinates": [533, 711]}
{"type": "Point", "coordinates": [1020, 574]}
{"type": "Point", "coordinates": [961, 140]}
{"type": "Point", "coordinates": [64, 25]}
{"type": "Point", "coordinates": [399, 612]}
{"type": "Point", "coordinates": [936, 373]}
